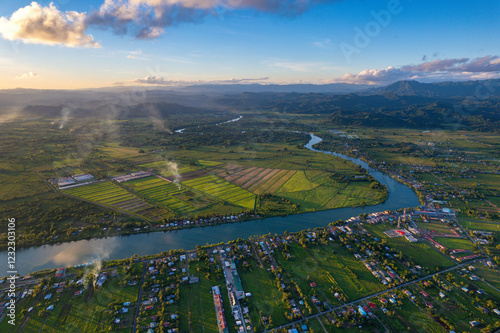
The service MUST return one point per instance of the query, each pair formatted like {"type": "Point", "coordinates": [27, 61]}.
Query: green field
{"type": "Point", "coordinates": [455, 243]}
{"type": "Point", "coordinates": [265, 296]}
{"type": "Point", "coordinates": [223, 190]}
{"type": "Point", "coordinates": [330, 266]}
{"type": "Point", "coordinates": [489, 274]}
{"type": "Point", "coordinates": [106, 193]}
{"type": "Point", "coordinates": [169, 194]}
{"type": "Point", "coordinates": [480, 225]}
{"type": "Point", "coordinates": [110, 194]}
{"type": "Point", "coordinates": [422, 253]}
{"type": "Point", "coordinates": [196, 304]}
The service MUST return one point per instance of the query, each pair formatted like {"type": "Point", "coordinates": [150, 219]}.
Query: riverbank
{"type": "Point", "coordinates": [119, 247]}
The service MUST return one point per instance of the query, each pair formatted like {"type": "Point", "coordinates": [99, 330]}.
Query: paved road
{"type": "Point", "coordinates": [230, 284]}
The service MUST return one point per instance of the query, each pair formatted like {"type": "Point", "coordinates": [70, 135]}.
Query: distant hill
{"type": "Point", "coordinates": [331, 88]}
{"type": "Point", "coordinates": [448, 89]}
{"type": "Point", "coordinates": [160, 110]}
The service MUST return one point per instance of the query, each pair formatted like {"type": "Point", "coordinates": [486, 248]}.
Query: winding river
{"type": "Point", "coordinates": [77, 252]}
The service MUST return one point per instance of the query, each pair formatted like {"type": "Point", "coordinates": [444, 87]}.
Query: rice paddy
{"type": "Point", "coordinates": [223, 190]}
{"type": "Point", "coordinates": [169, 194]}
{"type": "Point", "coordinates": [110, 194]}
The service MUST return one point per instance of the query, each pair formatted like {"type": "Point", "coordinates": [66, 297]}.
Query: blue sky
{"type": "Point", "coordinates": [220, 40]}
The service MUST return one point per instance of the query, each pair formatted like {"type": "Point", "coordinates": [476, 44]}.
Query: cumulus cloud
{"type": "Point", "coordinates": [436, 70]}
{"type": "Point", "coordinates": [374, 76]}
{"type": "Point", "coordinates": [158, 80]}
{"type": "Point", "coordinates": [146, 19]}
{"type": "Point", "coordinates": [47, 25]}
{"type": "Point", "coordinates": [27, 75]}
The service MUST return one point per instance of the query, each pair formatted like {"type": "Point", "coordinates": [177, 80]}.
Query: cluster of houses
{"type": "Point", "coordinates": [122, 311]}
{"type": "Point", "coordinates": [101, 279]}
{"type": "Point", "coordinates": [385, 274]}
{"type": "Point", "coordinates": [186, 222]}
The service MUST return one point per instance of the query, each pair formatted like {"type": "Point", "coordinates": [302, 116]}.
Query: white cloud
{"type": "Point", "coordinates": [136, 55]}
{"type": "Point", "coordinates": [47, 25]}
{"type": "Point", "coordinates": [27, 75]}
{"type": "Point", "coordinates": [437, 70]}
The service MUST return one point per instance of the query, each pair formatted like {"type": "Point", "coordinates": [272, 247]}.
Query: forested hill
{"type": "Point", "coordinates": [473, 104]}
{"type": "Point", "coordinates": [471, 89]}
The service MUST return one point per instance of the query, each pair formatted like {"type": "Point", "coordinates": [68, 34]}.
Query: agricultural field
{"type": "Point", "coordinates": [222, 190]}
{"type": "Point", "coordinates": [254, 179]}
{"type": "Point", "coordinates": [167, 168]}
{"type": "Point", "coordinates": [110, 194]}
{"type": "Point", "coordinates": [169, 194]}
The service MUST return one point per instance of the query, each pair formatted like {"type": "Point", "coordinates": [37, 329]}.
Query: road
{"type": "Point", "coordinates": [371, 296]}
{"type": "Point", "coordinates": [139, 297]}
{"type": "Point", "coordinates": [230, 285]}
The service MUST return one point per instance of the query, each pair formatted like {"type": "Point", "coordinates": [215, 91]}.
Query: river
{"type": "Point", "coordinates": [78, 252]}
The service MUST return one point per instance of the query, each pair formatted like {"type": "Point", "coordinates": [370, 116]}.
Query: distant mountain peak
{"type": "Point", "coordinates": [446, 89]}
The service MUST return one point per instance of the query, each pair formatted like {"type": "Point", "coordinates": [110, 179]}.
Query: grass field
{"type": "Point", "coordinates": [17, 184]}
{"type": "Point", "coordinates": [480, 225]}
{"type": "Point", "coordinates": [490, 275]}
{"type": "Point", "coordinates": [422, 253]}
{"type": "Point", "coordinates": [455, 243]}
{"type": "Point", "coordinates": [265, 296]}
{"type": "Point", "coordinates": [197, 311]}
{"type": "Point", "coordinates": [330, 266]}
{"type": "Point", "coordinates": [436, 227]}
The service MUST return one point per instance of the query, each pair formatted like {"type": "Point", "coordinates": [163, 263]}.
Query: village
{"type": "Point", "coordinates": [375, 271]}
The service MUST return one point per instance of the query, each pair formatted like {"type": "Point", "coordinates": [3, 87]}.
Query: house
{"type": "Point", "coordinates": [362, 311]}
{"type": "Point", "coordinates": [474, 323]}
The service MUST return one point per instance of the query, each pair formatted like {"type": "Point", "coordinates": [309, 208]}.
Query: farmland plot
{"type": "Point", "coordinates": [223, 190]}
